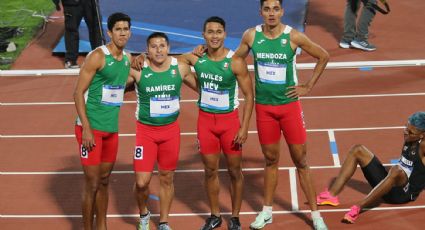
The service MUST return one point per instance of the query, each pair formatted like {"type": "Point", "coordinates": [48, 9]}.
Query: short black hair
{"type": "Point", "coordinates": [157, 35]}
{"type": "Point", "coordinates": [215, 19]}
{"type": "Point", "coordinates": [116, 17]}
{"type": "Point", "coordinates": [262, 2]}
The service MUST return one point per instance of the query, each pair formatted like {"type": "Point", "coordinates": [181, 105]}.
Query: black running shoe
{"type": "Point", "coordinates": [212, 222]}
{"type": "Point", "coordinates": [234, 224]}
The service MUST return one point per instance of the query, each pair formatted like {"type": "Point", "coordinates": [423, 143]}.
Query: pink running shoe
{"type": "Point", "coordinates": [325, 198]}
{"type": "Point", "coordinates": [352, 215]}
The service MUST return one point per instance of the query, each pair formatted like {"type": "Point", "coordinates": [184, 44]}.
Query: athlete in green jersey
{"type": "Point", "coordinates": [277, 90]}
{"type": "Point", "coordinates": [98, 96]}
{"type": "Point", "coordinates": [219, 74]}
{"type": "Point", "coordinates": [157, 131]}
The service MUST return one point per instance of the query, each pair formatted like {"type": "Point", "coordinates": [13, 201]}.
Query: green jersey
{"type": "Point", "coordinates": [218, 87]}
{"type": "Point", "coordinates": [158, 94]}
{"type": "Point", "coordinates": [105, 94]}
{"type": "Point", "coordinates": [274, 64]}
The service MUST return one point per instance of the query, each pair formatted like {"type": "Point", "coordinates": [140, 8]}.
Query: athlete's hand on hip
{"type": "Point", "coordinates": [241, 137]}
{"type": "Point", "coordinates": [199, 50]}
{"type": "Point", "coordinates": [137, 62]}
{"type": "Point", "coordinates": [297, 91]}
{"type": "Point", "coordinates": [88, 139]}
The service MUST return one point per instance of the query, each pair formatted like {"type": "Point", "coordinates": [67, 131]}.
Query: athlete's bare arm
{"type": "Point", "coordinates": [240, 70]}
{"type": "Point", "coordinates": [188, 58]}
{"type": "Point", "coordinates": [94, 62]}
{"type": "Point", "coordinates": [137, 62]}
{"type": "Point", "coordinates": [298, 39]}
{"type": "Point", "coordinates": [187, 76]}
{"type": "Point", "coordinates": [246, 43]}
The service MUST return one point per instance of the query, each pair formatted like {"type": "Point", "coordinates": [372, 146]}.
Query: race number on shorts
{"type": "Point", "coordinates": [138, 153]}
{"type": "Point", "coordinates": [84, 152]}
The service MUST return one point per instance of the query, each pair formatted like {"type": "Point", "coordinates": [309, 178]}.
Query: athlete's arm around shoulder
{"type": "Point", "coordinates": [246, 43]}
{"type": "Point", "coordinates": [187, 76]}
{"type": "Point", "coordinates": [188, 58]}
{"type": "Point", "coordinates": [240, 69]}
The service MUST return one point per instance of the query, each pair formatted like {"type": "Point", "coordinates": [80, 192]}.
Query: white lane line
{"type": "Point", "coordinates": [195, 133]}
{"type": "Point", "coordinates": [293, 186]}
{"type": "Point", "coordinates": [223, 213]}
{"type": "Point", "coordinates": [195, 100]}
{"type": "Point", "coordinates": [177, 171]}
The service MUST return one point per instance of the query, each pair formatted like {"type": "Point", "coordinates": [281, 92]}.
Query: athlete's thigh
{"type": "Point", "coordinates": [145, 150]}
{"type": "Point", "coordinates": [168, 150]}
{"type": "Point", "coordinates": [110, 148]}
{"type": "Point", "coordinates": [267, 125]}
{"type": "Point", "coordinates": [292, 123]}
{"type": "Point", "coordinates": [374, 172]}
{"type": "Point", "coordinates": [231, 128]}
{"type": "Point", "coordinates": [92, 157]}
{"type": "Point", "coordinates": [208, 142]}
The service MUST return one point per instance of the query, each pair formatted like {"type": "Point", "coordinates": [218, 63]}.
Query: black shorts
{"type": "Point", "coordinates": [374, 173]}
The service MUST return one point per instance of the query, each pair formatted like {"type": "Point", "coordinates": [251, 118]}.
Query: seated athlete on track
{"type": "Point", "coordinates": [401, 184]}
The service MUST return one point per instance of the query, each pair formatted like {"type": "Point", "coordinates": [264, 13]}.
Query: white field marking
{"type": "Point", "coordinates": [241, 99]}
{"type": "Point", "coordinates": [223, 213]}
{"type": "Point", "coordinates": [177, 171]}
{"type": "Point", "coordinates": [300, 66]}
{"type": "Point", "coordinates": [293, 186]}
{"type": "Point", "coordinates": [195, 133]}
{"type": "Point", "coordinates": [335, 155]}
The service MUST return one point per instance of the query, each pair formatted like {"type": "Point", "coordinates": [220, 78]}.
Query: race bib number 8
{"type": "Point", "coordinates": [138, 153]}
{"type": "Point", "coordinates": [84, 152]}
{"type": "Point", "coordinates": [112, 95]}
{"type": "Point", "coordinates": [213, 99]}
{"type": "Point", "coordinates": [272, 73]}
{"type": "Point", "coordinates": [164, 107]}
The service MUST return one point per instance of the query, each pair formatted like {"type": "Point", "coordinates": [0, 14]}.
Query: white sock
{"type": "Point", "coordinates": [315, 214]}
{"type": "Point", "coordinates": [268, 209]}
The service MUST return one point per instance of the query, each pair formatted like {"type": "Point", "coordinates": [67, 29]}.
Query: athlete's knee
{"type": "Point", "coordinates": [104, 180]}
{"type": "Point", "coordinates": [235, 173]}
{"type": "Point", "coordinates": [358, 150]}
{"type": "Point", "coordinates": [142, 184]}
{"type": "Point", "coordinates": [301, 163]}
{"type": "Point", "coordinates": [210, 172]}
{"type": "Point", "coordinates": [92, 185]}
{"type": "Point", "coordinates": [166, 178]}
{"type": "Point", "coordinates": [271, 158]}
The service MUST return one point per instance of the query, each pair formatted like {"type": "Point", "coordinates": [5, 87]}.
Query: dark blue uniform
{"type": "Point", "coordinates": [411, 163]}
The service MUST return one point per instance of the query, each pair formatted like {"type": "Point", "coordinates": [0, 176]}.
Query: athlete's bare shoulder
{"type": "Point", "coordinates": [248, 36]}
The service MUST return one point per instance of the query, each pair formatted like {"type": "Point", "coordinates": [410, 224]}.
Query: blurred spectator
{"type": "Point", "coordinates": [356, 33]}
{"type": "Point", "coordinates": [74, 11]}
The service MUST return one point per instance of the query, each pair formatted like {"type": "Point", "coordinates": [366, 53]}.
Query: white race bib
{"type": "Point", "coordinates": [406, 165]}
{"type": "Point", "coordinates": [213, 99]}
{"type": "Point", "coordinates": [112, 95]}
{"type": "Point", "coordinates": [164, 107]}
{"type": "Point", "coordinates": [272, 73]}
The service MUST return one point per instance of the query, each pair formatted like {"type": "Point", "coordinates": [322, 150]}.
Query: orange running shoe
{"type": "Point", "coordinates": [325, 198]}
